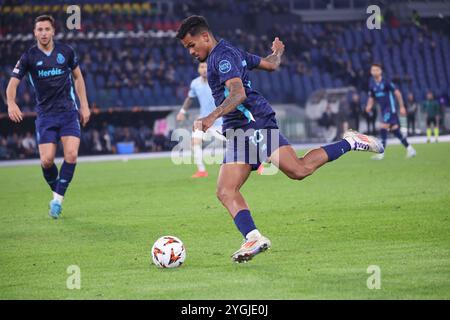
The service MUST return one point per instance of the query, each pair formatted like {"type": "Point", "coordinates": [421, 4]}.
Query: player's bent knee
{"type": "Point", "coordinates": [301, 173]}
{"type": "Point", "coordinates": [297, 175]}
{"type": "Point", "coordinates": [221, 194]}
{"type": "Point", "coordinates": [224, 194]}
{"type": "Point", "coordinates": [46, 162]}
{"type": "Point", "coordinates": [71, 156]}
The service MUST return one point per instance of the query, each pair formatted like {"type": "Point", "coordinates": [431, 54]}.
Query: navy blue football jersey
{"type": "Point", "coordinates": [226, 62]}
{"type": "Point", "coordinates": [383, 93]}
{"type": "Point", "coordinates": [51, 76]}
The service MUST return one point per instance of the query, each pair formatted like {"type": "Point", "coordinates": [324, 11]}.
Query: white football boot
{"type": "Point", "coordinates": [410, 152]}
{"type": "Point", "coordinates": [250, 248]}
{"type": "Point", "coordinates": [362, 142]}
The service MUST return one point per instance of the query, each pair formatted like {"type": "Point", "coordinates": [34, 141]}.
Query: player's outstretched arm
{"type": "Point", "coordinates": [398, 96]}
{"type": "Point", "coordinates": [236, 97]}
{"type": "Point", "coordinates": [186, 105]}
{"type": "Point", "coordinates": [80, 88]}
{"type": "Point", "coordinates": [14, 112]}
{"type": "Point", "coordinates": [273, 61]}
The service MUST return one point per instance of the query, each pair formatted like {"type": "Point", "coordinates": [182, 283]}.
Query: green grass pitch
{"type": "Point", "coordinates": [325, 231]}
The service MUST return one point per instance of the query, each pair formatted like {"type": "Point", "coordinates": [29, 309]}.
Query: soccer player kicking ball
{"type": "Point", "coordinates": [53, 71]}
{"type": "Point", "coordinates": [244, 110]}
{"type": "Point", "coordinates": [383, 91]}
{"type": "Point", "coordinates": [200, 89]}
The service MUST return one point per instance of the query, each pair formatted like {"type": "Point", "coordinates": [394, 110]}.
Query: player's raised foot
{"type": "Point", "coordinates": [362, 142]}
{"type": "Point", "coordinates": [410, 152]}
{"type": "Point", "coordinates": [55, 208]}
{"type": "Point", "coordinates": [200, 174]}
{"type": "Point", "coordinates": [250, 248]}
{"type": "Point", "coordinates": [379, 156]}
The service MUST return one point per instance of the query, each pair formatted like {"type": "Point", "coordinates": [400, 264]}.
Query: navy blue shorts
{"type": "Point", "coordinates": [51, 127]}
{"type": "Point", "coordinates": [253, 143]}
{"type": "Point", "coordinates": [391, 119]}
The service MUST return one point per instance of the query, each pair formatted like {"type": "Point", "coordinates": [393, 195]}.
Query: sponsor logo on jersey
{"type": "Point", "coordinates": [50, 73]}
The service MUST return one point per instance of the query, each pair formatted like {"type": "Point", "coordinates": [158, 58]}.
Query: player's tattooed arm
{"type": "Point", "coordinates": [273, 61]}
{"type": "Point", "coordinates": [236, 97]}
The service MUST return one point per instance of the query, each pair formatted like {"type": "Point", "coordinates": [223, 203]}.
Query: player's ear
{"type": "Point", "coordinates": [205, 36]}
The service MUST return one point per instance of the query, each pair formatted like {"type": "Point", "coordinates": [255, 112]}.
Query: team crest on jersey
{"type": "Point", "coordinates": [39, 63]}
{"type": "Point", "coordinates": [224, 66]}
{"type": "Point", "coordinates": [60, 58]}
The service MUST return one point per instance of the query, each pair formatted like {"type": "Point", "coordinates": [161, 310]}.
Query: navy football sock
{"type": "Point", "coordinates": [244, 222]}
{"type": "Point", "coordinates": [337, 149]}
{"type": "Point", "coordinates": [51, 176]}
{"type": "Point", "coordinates": [383, 134]}
{"type": "Point", "coordinates": [399, 135]}
{"type": "Point", "coordinates": [65, 176]}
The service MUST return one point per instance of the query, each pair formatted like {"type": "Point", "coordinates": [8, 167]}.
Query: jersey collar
{"type": "Point", "coordinates": [378, 83]}
{"type": "Point", "coordinates": [218, 44]}
{"type": "Point", "coordinates": [49, 53]}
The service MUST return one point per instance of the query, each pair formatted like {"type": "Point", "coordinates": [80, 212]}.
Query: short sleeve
{"type": "Point", "coordinates": [371, 94]}
{"type": "Point", "coordinates": [228, 66]}
{"type": "Point", "coordinates": [252, 61]}
{"type": "Point", "coordinates": [21, 67]}
{"type": "Point", "coordinates": [191, 93]}
{"type": "Point", "coordinates": [73, 59]}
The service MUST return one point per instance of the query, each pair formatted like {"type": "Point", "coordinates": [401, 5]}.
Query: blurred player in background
{"type": "Point", "coordinates": [385, 93]}
{"type": "Point", "coordinates": [246, 109]}
{"type": "Point", "coordinates": [355, 111]}
{"type": "Point", "coordinates": [432, 108]}
{"type": "Point", "coordinates": [53, 70]}
{"type": "Point", "coordinates": [411, 107]}
{"type": "Point", "coordinates": [200, 89]}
